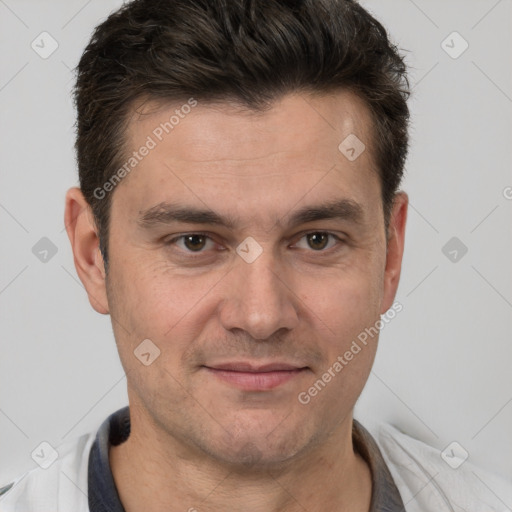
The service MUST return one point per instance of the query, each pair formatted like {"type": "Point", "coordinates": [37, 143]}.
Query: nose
{"type": "Point", "coordinates": [258, 299]}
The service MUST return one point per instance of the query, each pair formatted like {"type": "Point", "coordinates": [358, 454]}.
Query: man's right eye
{"type": "Point", "coordinates": [191, 242]}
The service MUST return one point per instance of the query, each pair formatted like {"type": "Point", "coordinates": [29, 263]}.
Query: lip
{"type": "Point", "coordinates": [251, 377]}
{"type": "Point", "coordinates": [246, 366]}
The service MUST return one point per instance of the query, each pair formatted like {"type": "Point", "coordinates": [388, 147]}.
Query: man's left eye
{"type": "Point", "coordinates": [319, 240]}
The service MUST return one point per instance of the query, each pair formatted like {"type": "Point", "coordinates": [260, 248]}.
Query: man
{"type": "Point", "coordinates": [239, 218]}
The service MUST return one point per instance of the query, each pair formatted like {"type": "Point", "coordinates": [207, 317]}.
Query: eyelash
{"type": "Point", "coordinates": [339, 241]}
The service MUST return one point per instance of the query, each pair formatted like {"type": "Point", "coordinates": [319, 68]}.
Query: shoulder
{"type": "Point", "coordinates": [431, 480]}
{"type": "Point", "coordinates": [62, 486]}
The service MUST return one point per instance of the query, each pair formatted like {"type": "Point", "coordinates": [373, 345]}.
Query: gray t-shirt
{"type": "Point", "coordinates": [103, 496]}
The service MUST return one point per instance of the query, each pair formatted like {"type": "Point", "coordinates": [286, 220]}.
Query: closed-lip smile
{"type": "Point", "coordinates": [251, 376]}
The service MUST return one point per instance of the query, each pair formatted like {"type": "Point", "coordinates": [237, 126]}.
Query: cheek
{"type": "Point", "coordinates": [344, 316]}
{"type": "Point", "coordinates": [343, 303]}
{"type": "Point", "coordinates": [170, 310]}
{"type": "Point", "coordinates": [343, 311]}
{"type": "Point", "coordinates": [157, 300]}
{"type": "Point", "coordinates": [149, 304]}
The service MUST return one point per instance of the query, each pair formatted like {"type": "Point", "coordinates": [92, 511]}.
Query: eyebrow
{"type": "Point", "coordinates": [167, 213]}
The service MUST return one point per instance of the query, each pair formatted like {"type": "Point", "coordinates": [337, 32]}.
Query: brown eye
{"type": "Point", "coordinates": [318, 241]}
{"type": "Point", "coordinates": [191, 243]}
{"type": "Point", "coordinates": [194, 242]}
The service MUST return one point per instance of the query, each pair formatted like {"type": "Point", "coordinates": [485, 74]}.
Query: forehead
{"type": "Point", "coordinates": [221, 155]}
{"type": "Point", "coordinates": [292, 122]}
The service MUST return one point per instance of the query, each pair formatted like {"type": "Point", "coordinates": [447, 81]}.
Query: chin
{"type": "Point", "coordinates": [259, 452]}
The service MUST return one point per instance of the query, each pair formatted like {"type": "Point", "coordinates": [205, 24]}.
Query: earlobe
{"type": "Point", "coordinates": [395, 249]}
{"type": "Point", "coordinates": [82, 234]}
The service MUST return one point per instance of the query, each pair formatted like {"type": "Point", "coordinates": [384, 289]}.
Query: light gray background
{"type": "Point", "coordinates": [443, 370]}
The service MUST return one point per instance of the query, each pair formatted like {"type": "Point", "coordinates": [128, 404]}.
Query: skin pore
{"type": "Point", "coordinates": [197, 441]}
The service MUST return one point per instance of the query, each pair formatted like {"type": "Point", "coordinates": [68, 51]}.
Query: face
{"type": "Point", "coordinates": [243, 240]}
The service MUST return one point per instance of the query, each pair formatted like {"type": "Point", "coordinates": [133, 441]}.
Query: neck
{"type": "Point", "coordinates": [151, 467]}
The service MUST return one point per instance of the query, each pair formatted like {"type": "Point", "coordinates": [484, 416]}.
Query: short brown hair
{"type": "Point", "coordinates": [248, 51]}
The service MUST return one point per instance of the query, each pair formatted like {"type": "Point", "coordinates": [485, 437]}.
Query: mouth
{"type": "Point", "coordinates": [250, 377]}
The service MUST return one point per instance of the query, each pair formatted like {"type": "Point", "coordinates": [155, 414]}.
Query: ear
{"type": "Point", "coordinates": [395, 249]}
{"type": "Point", "coordinates": [89, 264]}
